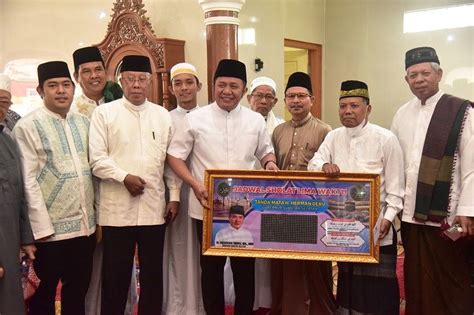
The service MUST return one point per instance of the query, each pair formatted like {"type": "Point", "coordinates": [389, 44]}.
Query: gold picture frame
{"type": "Point", "coordinates": [292, 215]}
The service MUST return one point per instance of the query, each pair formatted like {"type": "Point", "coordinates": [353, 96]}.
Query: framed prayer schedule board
{"type": "Point", "coordinates": [291, 215]}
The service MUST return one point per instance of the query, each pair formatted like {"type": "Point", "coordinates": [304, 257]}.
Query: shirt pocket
{"type": "Point", "coordinates": [370, 166]}
{"type": "Point", "coordinates": [245, 147]}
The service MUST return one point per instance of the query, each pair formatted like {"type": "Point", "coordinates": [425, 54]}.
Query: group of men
{"type": "Point", "coordinates": [131, 167]}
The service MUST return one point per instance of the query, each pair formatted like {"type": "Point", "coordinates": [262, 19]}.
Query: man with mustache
{"type": "Point", "coordinates": [436, 133]}
{"type": "Point", "coordinates": [58, 185]}
{"type": "Point", "coordinates": [90, 73]}
{"type": "Point", "coordinates": [296, 282]}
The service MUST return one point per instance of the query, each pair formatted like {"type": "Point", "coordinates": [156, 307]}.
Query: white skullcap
{"type": "Point", "coordinates": [183, 67]}
{"type": "Point", "coordinates": [262, 81]}
{"type": "Point", "coordinates": [4, 82]}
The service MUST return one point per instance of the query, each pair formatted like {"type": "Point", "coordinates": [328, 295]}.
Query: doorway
{"type": "Point", "coordinates": [305, 57]}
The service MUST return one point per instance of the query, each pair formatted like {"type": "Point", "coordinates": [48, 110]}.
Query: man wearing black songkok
{"type": "Point", "coordinates": [90, 73]}
{"type": "Point", "coordinates": [300, 287]}
{"type": "Point", "coordinates": [436, 133]}
{"type": "Point", "coordinates": [223, 135]}
{"type": "Point", "coordinates": [128, 142]}
{"type": "Point", "coordinates": [52, 142]}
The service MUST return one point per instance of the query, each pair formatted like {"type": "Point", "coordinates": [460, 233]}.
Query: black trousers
{"type": "Point", "coordinates": [119, 248]}
{"type": "Point", "coordinates": [69, 261]}
{"type": "Point", "coordinates": [212, 281]}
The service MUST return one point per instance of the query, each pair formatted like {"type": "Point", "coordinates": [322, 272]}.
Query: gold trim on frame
{"type": "Point", "coordinates": [373, 179]}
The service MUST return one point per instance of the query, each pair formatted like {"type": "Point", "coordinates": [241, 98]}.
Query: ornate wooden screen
{"type": "Point", "coordinates": [130, 32]}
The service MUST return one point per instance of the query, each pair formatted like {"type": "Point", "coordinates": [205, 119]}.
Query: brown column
{"type": "Point", "coordinates": [222, 23]}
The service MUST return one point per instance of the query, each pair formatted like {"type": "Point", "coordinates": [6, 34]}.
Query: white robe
{"type": "Point", "coordinates": [410, 125]}
{"type": "Point", "coordinates": [181, 270]}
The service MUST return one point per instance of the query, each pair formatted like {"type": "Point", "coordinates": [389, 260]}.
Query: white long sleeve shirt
{"type": "Point", "coordinates": [56, 172]}
{"type": "Point", "coordinates": [410, 125]}
{"type": "Point", "coordinates": [128, 139]}
{"type": "Point", "coordinates": [232, 237]}
{"type": "Point", "coordinates": [367, 149]}
{"type": "Point", "coordinates": [217, 139]}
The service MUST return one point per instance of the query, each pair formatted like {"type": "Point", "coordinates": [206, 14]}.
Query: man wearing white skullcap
{"type": "Point", "coordinates": [181, 246]}
{"type": "Point", "coordinates": [5, 101]}
{"type": "Point", "coordinates": [262, 100]}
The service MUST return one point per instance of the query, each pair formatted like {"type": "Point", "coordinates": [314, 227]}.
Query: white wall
{"type": "Point", "coordinates": [365, 41]}
{"type": "Point", "coordinates": [362, 39]}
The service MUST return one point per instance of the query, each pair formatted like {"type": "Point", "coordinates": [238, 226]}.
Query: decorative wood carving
{"type": "Point", "coordinates": [130, 32]}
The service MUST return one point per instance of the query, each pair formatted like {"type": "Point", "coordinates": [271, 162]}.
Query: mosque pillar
{"type": "Point", "coordinates": [222, 22]}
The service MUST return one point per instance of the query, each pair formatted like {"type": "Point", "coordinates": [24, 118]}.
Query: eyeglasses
{"type": "Point", "coordinates": [141, 80]}
{"type": "Point", "coordinates": [297, 95]}
{"type": "Point", "coordinates": [268, 97]}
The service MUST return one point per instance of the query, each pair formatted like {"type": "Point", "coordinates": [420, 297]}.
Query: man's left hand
{"type": "Point", "coordinates": [384, 228]}
{"type": "Point", "coordinates": [29, 250]}
{"type": "Point", "coordinates": [271, 166]}
{"type": "Point", "coordinates": [467, 225]}
{"type": "Point", "coordinates": [171, 211]}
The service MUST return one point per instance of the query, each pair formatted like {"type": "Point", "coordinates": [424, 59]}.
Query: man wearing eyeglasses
{"type": "Point", "coordinates": [128, 142]}
{"type": "Point", "coordinates": [262, 99]}
{"type": "Point", "coordinates": [90, 74]}
{"type": "Point", "coordinates": [295, 282]}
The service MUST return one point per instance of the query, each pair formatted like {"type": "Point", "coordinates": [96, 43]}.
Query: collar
{"type": "Point", "coordinates": [53, 114]}
{"type": "Point", "coordinates": [185, 111]}
{"type": "Point", "coordinates": [296, 124]}
{"type": "Point", "coordinates": [136, 108]}
{"type": "Point", "coordinates": [432, 101]}
{"type": "Point", "coordinates": [86, 99]}
{"type": "Point", "coordinates": [236, 110]}
{"type": "Point", "coordinates": [358, 130]}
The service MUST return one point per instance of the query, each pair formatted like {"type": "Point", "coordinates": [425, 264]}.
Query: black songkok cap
{"type": "Point", "coordinates": [136, 63]}
{"type": "Point", "coordinates": [300, 79]}
{"type": "Point", "coordinates": [236, 210]}
{"type": "Point", "coordinates": [231, 68]}
{"type": "Point", "coordinates": [86, 54]}
{"type": "Point", "coordinates": [419, 55]}
{"type": "Point", "coordinates": [353, 88]}
{"type": "Point", "coordinates": [52, 69]}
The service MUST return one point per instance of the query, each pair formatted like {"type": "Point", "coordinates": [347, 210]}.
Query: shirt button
{"type": "Point", "coordinates": [294, 144]}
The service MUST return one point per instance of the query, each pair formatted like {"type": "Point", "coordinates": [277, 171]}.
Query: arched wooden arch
{"type": "Point", "coordinates": [130, 33]}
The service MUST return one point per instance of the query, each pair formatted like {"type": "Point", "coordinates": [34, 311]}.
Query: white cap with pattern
{"type": "Point", "coordinates": [181, 68]}
{"type": "Point", "coordinates": [262, 81]}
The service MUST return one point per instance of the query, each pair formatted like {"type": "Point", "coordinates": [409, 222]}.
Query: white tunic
{"type": "Point", "coordinates": [56, 172]}
{"type": "Point", "coordinates": [232, 237]}
{"type": "Point", "coordinates": [128, 139]}
{"type": "Point", "coordinates": [217, 139]}
{"type": "Point", "coordinates": [182, 294]}
{"type": "Point", "coordinates": [367, 149]}
{"type": "Point", "coordinates": [410, 125]}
